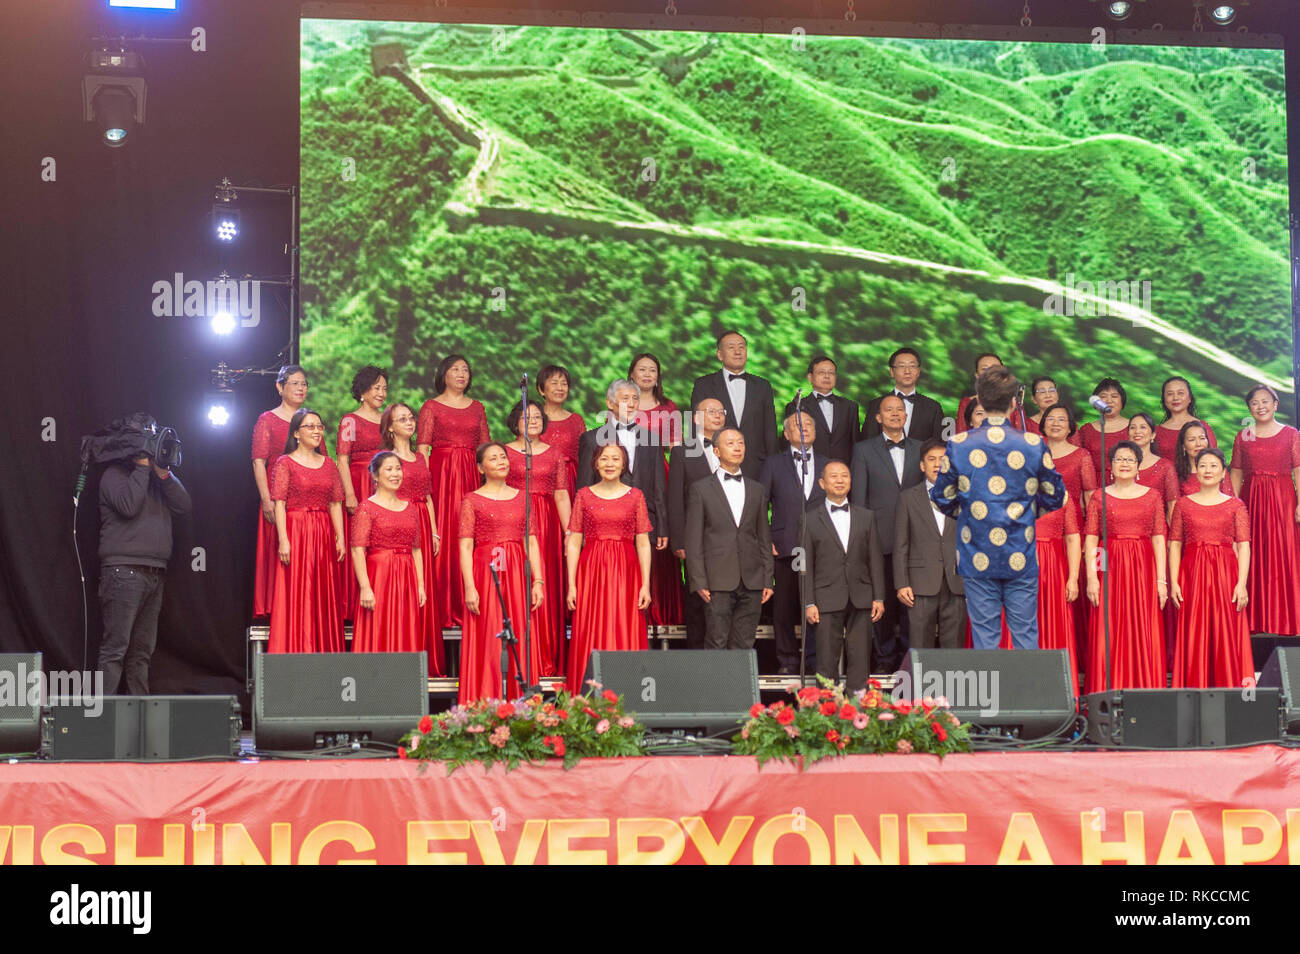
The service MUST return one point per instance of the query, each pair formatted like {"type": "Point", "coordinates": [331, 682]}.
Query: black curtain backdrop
{"type": "Point", "coordinates": [81, 254]}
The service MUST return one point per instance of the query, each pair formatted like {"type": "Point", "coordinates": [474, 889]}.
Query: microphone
{"type": "Point", "coordinates": [1099, 404]}
{"type": "Point", "coordinates": [523, 382]}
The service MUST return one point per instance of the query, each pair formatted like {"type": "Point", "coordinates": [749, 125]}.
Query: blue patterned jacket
{"type": "Point", "coordinates": [996, 480]}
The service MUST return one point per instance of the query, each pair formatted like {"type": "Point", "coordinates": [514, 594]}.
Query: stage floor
{"type": "Point", "coordinates": [1226, 806]}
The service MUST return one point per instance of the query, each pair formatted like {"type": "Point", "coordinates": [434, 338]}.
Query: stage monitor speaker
{"type": "Point", "coordinates": [1025, 693]}
{"type": "Point", "coordinates": [1183, 718]}
{"type": "Point", "coordinates": [142, 728]}
{"type": "Point", "coordinates": [321, 700]}
{"type": "Point", "coordinates": [701, 690]}
{"type": "Point", "coordinates": [21, 697]}
{"type": "Point", "coordinates": [1282, 672]}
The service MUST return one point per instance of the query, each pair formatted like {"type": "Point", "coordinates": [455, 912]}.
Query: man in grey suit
{"type": "Point", "coordinates": [729, 546]}
{"type": "Point", "coordinates": [883, 467]}
{"type": "Point", "coordinates": [925, 562]}
{"type": "Point", "coordinates": [847, 574]}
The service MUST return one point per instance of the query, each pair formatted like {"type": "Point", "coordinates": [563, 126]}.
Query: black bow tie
{"type": "Point", "coordinates": [844, 507]}
{"type": "Point", "coordinates": [727, 476]}
{"type": "Point", "coordinates": [890, 445]}
{"type": "Point", "coordinates": [822, 397]}
{"type": "Point", "coordinates": [706, 442]}
{"type": "Point", "coordinates": [736, 377]}
{"type": "Point", "coordinates": [626, 427]}
{"type": "Point", "coordinates": [909, 398]}
{"type": "Point", "coordinates": [802, 457]}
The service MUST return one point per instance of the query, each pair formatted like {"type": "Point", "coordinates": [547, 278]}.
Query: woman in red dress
{"type": "Point", "coordinates": [983, 362]}
{"type": "Point", "coordinates": [491, 535]}
{"type": "Point", "coordinates": [398, 429]}
{"type": "Point", "coordinates": [269, 436]}
{"type": "Point", "coordinates": [450, 426]}
{"type": "Point", "coordinates": [1135, 578]}
{"type": "Point", "coordinates": [1059, 430]}
{"type": "Point", "coordinates": [563, 428]}
{"type": "Point", "coordinates": [550, 515]}
{"type": "Point", "coordinates": [609, 564]}
{"type": "Point", "coordinates": [665, 426]}
{"type": "Point", "coordinates": [1193, 437]}
{"type": "Point", "coordinates": [1180, 410]}
{"type": "Point", "coordinates": [1056, 536]}
{"type": "Point", "coordinates": [1043, 391]}
{"type": "Point", "coordinates": [1154, 472]}
{"type": "Point", "coordinates": [387, 561]}
{"type": "Point", "coordinates": [358, 439]}
{"type": "Point", "coordinates": [1265, 469]}
{"type": "Point", "coordinates": [308, 495]}
{"type": "Point", "coordinates": [1209, 560]}
{"type": "Point", "coordinates": [1113, 393]}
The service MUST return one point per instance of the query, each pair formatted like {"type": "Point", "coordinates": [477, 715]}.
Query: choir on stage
{"type": "Point", "coordinates": [719, 514]}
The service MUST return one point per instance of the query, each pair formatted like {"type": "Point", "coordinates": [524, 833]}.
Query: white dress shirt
{"type": "Point", "coordinates": [896, 454]}
{"type": "Point", "coordinates": [629, 441]}
{"type": "Point", "coordinates": [827, 409]}
{"type": "Point", "coordinates": [939, 518]}
{"type": "Point", "coordinates": [840, 520]}
{"type": "Point", "coordinates": [736, 391]}
{"type": "Point", "coordinates": [810, 477]}
{"type": "Point", "coordinates": [711, 457]}
{"type": "Point", "coordinates": [735, 493]}
{"type": "Point", "coordinates": [907, 425]}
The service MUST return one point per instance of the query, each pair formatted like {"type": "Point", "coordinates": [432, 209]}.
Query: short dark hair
{"type": "Point", "coordinates": [289, 370]}
{"type": "Point", "coordinates": [386, 424]}
{"type": "Point", "coordinates": [1111, 383]}
{"type": "Point", "coordinates": [1137, 451]}
{"type": "Point", "coordinates": [517, 413]}
{"type": "Point", "coordinates": [658, 391]}
{"type": "Point", "coordinates": [968, 415]}
{"type": "Point", "coordinates": [836, 460]}
{"type": "Point", "coordinates": [931, 444]}
{"type": "Point", "coordinates": [1260, 387]}
{"type": "Point", "coordinates": [481, 451]}
{"type": "Point", "coordinates": [722, 430]}
{"type": "Point", "coordinates": [996, 388]}
{"type": "Point", "coordinates": [1182, 462]}
{"type": "Point", "coordinates": [1069, 416]}
{"type": "Point", "coordinates": [440, 380]}
{"type": "Point", "coordinates": [820, 359]}
{"type": "Point", "coordinates": [550, 371]}
{"type": "Point", "coordinates": [902, 351]}
{"type": "Point", "coordinates": [728, 333]}
{"type": "Point", "coordinates": [1033, 385]}
{"type": "Point", "coordinates": [985, 354]}
{"type": "Point", "coordinates": [1151, 423]}
{"type": "Point", "coordinates": [1191, 396]}
{"type": "Point", "coordinates": [377, 461]}
{"type": "Point", "coordinates": [1213, 452]}
{"type": "Point", "coordinates": [600, 449]}
{"type": "Point", "coordinates": [365, 379]}
{"type": "Point", "coordinates": [295, 422]}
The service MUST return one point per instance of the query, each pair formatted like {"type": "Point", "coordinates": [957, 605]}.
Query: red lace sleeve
{"type": "Point", "coordinates": [561, 471]}
{"type": "Point", "coordinates": [1158, 526]}
{"type": "Point", "coordinates": [1169, 487]}
{"type": "Point", "coordinates": [261, 439]}
{"type": "Point", "coordinates": [347, 436]}
{"type": "Point", "coordinates": [424, 424]}
{"type": "Point", "coordinates": [360, 532]}
{"type": "Point", "coordinates": [336, 482]}
{"type": "Point", "coordinates": [1176, 525]}
{"type": "Point", "coordinates": [1237, 462]}
{"type": "Point", "coordinates": [415, 529]}
{"type": "Point", "coordinates": [280, 479]}
{"type": "Point", "coordinates": [1087, 473]}
{"type": "Point", "coordinates": [1071, 520]}
{"type": "Point", "coordinates": [483, 435]}
{"type": "Point", "coordinates": [575, 515]}
{"type": "Point", "coordinates": [1092, 527]}
{"type": "Point", "coordinates": [1295, 449]}
{"type": "Point", "coordinates": [467, 518]}
{"type": "Point", "coordinates": [1240, 522]}
{"type": "Point", "coordinates": [643, 524]}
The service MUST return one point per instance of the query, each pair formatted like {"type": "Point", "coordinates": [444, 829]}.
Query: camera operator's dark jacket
{"type": "Point", "coordinates": [135, 515]}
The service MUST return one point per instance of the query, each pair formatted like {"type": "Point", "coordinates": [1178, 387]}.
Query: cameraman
{"type": "Point", "coordinates": [136, 501]}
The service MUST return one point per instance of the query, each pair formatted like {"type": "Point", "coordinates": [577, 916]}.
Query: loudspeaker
{"type": "Point", "coordinates": [21, 697]}
{"type": "Point", "coordinates": [1183, 718]}
{"type": "Point", "coordinates": [1022, 692]}
{"type": "Point", "coordinates": [320, 700]}
{"type": "Point", "coordinates": [1282, 672]}
{"type": "Point", "coordinates": [141, 728]}
{"type": "Point", "coordinates": [702, 690]}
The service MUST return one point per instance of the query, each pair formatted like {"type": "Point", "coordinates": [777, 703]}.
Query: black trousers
{"type": "Point", "coordinates": [695, 619]}
{"type": "Point", "coordinates": [892, 630]}
{"type": "Point", "coordinates": [732, 618]}
{"type": "Point", "coordinates": [848, 631]}
{"type": "Point", "coordinates": [786, 613]}
{"type": "Point", "coordinates": [938, 621]}
{"type": "Point", "coordinates": [130, 598]}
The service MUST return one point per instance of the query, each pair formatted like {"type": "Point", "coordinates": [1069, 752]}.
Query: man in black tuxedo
{"type": "Point", "coordinates": [924, 415]}
{"type": "Point", "coordinates": [689, 461]}
{"type": "Point", "coordinates": [645, 459]}
{"type": "Point", "coordinates": [747, 399]}
{"type": "Point", "coordinates": [836, 417]}
{"type": "Point", "coordinates": [729, 546]}
{"type": "Point", "coordinates": [846, 573]}
{"type": "Point", "coordinates": [883, 467]}
{"type": "Point", "coordinates": [792, 489]}
{"type": "Point", "coordinates": [925, 562]}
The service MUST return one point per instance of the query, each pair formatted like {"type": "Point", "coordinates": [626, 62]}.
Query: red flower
{"type": "Point", "coordinates": [927, 705]}
{"type": "Point", "coordinates": [825, 694]}
{"type": "Point", "coordinates": [401, 752]}
{"type": "Point", "coordinates": [808, 696]}
{"type": "Point", "coordinates": [562, 714]}
{"type": "Point", "coordinates": [778, 706]}
{"type": "Point", "coordinates": [847, 711]}
{"type": "Point", "coordinates": [505, 710]}
{"type": "Point", "coordinates": [756, 710]}
{"type": "Point", "coordinates": [426, 725]}
{"type": "Point", "coordinates": [903, 706]}
{"type": "Point", "coordinates": [610, 695]}
{"type": "Point", "coordinates": [442, 724]}
{"type": "Point", "coordinates": [832, 736]}
{"type": "Point", "coordinates": [785, 716]}
{"type": "Point", "coordinates": [873, 683]}
{"type": "Point", "coordinates": [558, 743]}
{"type": "Point", "coordinates": [827, 708]}
{"type": "Point", "coordinates": [589, 711]}
{"type": "Point", "coordinates": [939, 731]}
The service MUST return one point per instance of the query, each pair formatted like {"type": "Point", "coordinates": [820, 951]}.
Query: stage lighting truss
{"type": "Point", "coordinates": [225, 212]}
{"type": "Point", "coordinates": [1119, 10]}
{"type": "Point", "coordinates": [226, 302]}
{"type": "Point", "coordinates": [113, 93]}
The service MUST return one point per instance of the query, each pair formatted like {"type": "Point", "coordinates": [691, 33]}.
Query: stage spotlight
{"type": "Point", "coordinates": [221, 397]}
{"type": "Point", "coordinates": [223, 302]}
{"type": "Point", "coordinates": [1119, 10]}
{"type": "Point", "coordinates": [113, 94]}
{"type": "Point", "coordinates": [218, 413]}
{"type": "Point", "coordinates": [223, 322]}
{"type": "Point", "coordinates": [1223, 14]}
{"type": "Point", "coordinates": [225, 213]}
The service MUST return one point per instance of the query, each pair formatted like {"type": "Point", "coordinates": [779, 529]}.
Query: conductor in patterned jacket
{"type": "Point", "coordinates": [996, 480]}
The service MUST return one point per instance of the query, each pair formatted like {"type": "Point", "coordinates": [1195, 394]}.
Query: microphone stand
{"type": "Point", "coordinates": [1105, 553]}
{"type": "Point", "coordinates": [509, 643]}
{"type": "Point", "coordinates": [1020, 401]}
{"type": "Point", "coordinates": [528, 513]}
{"type": "Point", "coordinates": [803, 540]}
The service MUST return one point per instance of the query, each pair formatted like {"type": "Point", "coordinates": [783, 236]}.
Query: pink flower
{"type": "Point", "coordinates": [904, 745]}
{"type": "Point", "coordinates": [626, 722]}
{"type": "Point", "coordinates": [594, 684]}
{"type": "Point", "coordinates": [499, 736]}
{"type": "Point", "coordinates": [943, 701]}
{"type": "Point", "coordinates": [792, 688]}
{"type": "Point", "coordinates": [744, 733]}
{"type": "Point", "coordinates": [474, 729]}
{"type": "Point", "coordinates": [886, 716]}
{"type": "Point", "coordinates": [860, 721]}
{"type": "Point", "coordinates": [602, 726]}
{"type": "Point", "coordinates": [415, 740]}
{"type": "Point", "coordinates": [791, 730]}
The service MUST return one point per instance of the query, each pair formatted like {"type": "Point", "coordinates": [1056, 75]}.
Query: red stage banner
{"type": "Point", "coordinates": [1227, 807]}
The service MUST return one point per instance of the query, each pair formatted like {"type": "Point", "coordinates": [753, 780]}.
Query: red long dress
{"type": "Point", "coordinates": [564, 436]}
{"type": "Point", "coordinates": [269, 436]}
{"type": "Point", "coordinates": [1213, 641]}
{"type": "Point", "coordinates": [497, 529]}
{"type": "Point", "coordinates": [1166, 442]}
{"type": "Point", "coordinates": [1137, 645]}
{"type": "Point", "coordinates": [1055, 613]}
{"type": "Point", "coordinates": [548, 472]}
{"type": "Point", "coordinates": [1090, 440]}
{"type": "Point", "coordinates": [389, 536]}
{"type": "Point", "coordinates": [1191, 485]}
{"type": "Point", "coordinates": [666, 584]}
{"type": "Point", "coordinates": [1161, 478]}
{"type": "Point", "coordinates": [305, 614]}
{"type": "Point", "coordinates": [455, 434]}
{"type": "Point", "coordinates": [608, 577]}
{"type": "Point", "coordinates": [1079, 476]}
{"type": "Point", "coordinates": [359, 439]}
{"type": "Point", "coordinates": [1269, 495]}
{"type": "Point", "coordinates": [417, 488]}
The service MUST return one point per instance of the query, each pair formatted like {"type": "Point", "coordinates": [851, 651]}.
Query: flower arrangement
{"type": "Point", "coordinates": [823, 721]}
{"type": "Point", "coordinates": [573, 727]}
